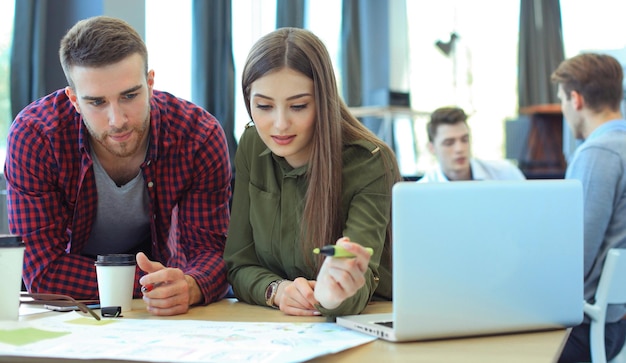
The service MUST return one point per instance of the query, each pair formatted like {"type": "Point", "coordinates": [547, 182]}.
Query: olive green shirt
{"type": "Point", "coordinates": [263, 240]}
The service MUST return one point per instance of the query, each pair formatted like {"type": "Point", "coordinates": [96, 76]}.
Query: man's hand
{"type": "Point", "coordinates": [166, 291]}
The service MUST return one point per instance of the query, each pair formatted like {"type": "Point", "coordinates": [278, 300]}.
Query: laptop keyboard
{"type": "Point", "coordinates": [388, 324]}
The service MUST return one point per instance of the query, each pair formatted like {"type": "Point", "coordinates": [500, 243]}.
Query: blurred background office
{"type": "Point", "coordinates": [396, 60]}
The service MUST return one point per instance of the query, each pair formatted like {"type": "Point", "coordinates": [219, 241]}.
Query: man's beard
{"type": "Point", "coordinates": [120, 149]}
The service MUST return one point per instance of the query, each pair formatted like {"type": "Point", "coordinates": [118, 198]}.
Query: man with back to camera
{"type": "Point", "coordinates": [110, 165]}
{"type": "Point", "coordinates": [590, 89]}
{"type": "Point", "coordinates": [449, 142]}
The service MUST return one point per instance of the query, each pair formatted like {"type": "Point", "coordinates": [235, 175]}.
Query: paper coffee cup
{"type": "Point", "coordinates": [11, 264]}
{"type": "Point", "coordinates": [116, 279]}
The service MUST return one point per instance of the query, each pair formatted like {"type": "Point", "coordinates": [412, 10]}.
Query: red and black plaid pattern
{"type": "Point", "coordinates": [52, 194]}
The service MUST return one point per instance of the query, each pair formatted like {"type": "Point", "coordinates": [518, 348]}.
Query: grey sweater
{"type": "Point", "coordinates": [600, 164]}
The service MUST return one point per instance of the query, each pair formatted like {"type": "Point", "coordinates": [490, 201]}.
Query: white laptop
{"type": "Point", "coordinates": [481, 258]}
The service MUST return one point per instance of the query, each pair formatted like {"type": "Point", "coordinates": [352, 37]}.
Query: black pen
{"type": "Point", "coordinates": [337, 251]}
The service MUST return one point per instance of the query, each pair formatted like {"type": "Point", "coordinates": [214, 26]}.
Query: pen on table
{"type": "Point", "coordinates": [150, 287]}
{"type": "Point", "coordinates": [337, 251]}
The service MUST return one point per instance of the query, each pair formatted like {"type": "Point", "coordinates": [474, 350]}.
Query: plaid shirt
{"type": "Point", "coordinates": [52, 196]}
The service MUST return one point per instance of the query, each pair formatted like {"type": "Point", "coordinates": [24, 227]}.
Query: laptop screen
{"type": "Point", "coordinates": [473, 258]}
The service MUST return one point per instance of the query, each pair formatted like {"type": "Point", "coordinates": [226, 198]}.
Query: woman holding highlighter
{"type": "Point", "coordinates": [308, 174]}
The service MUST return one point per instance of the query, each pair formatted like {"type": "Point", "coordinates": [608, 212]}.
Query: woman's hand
{"type": "Point", "coordinates": [340, 278]}
{"type": "Point", "coordinates": [296, 297]}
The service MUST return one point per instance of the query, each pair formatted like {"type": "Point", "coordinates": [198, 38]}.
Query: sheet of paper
{"type": "Point", "coordinates": [32, 309]}
{"type": "Point", "coordinates": [73, 336]}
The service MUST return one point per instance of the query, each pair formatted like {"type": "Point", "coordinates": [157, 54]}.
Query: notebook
{"type": "Point", "coordinates": [482, 258]}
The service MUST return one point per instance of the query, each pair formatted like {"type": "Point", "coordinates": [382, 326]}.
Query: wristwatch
{"type": "Point", "coordinates": [270, 292]}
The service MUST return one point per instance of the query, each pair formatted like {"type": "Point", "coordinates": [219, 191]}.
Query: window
{"type": "Point", "coordinates": [594, 28]}
{"type": "Point", "coordinates": [169, 47]}
{"type": "Point", "coordinates": [480, 75]}
{"type": "Point", "coordinates": [323, 17]}
{"type": "Point", "coordinates": [251, 20]}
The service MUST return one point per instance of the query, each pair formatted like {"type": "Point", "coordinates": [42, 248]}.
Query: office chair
{"type": "Point", "coordinates": [611, 290]}
{"type": "Point", "coordinates": [620, 357]}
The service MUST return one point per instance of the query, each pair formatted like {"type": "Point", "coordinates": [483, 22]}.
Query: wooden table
{"type": "Point", "coordinates": [527, 347]}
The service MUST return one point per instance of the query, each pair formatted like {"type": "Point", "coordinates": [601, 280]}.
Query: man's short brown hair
{"type": "Point", "coordinates": [597, 77]}
{"type": "Point", "coordinates": [444, 116]}
{"type": "Point", "coordinates": [100, 41]}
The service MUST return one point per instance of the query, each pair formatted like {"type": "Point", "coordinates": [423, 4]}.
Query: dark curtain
{"type": "Point", "coordinates": [540, 51]}
{"type": "Point", "coordinates": [39, 27]}
{"type": "Point", "coordinates": [290, 13]}
{"type": "Point", "coordinates": [27, 53]}
{"type": "Point", "coordinates": [351, 53]}
{"type": "Point", "coordinates": [213, 69]}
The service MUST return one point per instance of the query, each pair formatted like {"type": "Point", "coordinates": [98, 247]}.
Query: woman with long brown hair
{"type": "Point", "coordinates": [308, 174]}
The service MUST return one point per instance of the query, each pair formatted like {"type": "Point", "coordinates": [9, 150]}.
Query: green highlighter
{"type": "Point", "coordinates": [337, 251]}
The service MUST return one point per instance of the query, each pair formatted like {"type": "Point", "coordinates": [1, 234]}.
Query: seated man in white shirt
{"type": "Point", "coordinates": [449, 142]}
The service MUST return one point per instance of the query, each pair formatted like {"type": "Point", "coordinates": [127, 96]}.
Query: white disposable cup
{"type": "Point", "coordinates": [11, 264]}
{"type": "Point", "coordinates": [116, 280]}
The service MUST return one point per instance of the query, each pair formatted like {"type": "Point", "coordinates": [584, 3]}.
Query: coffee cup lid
{"type": "Point", "coordinates": [7, 240]}
{"type": "Point", "coordinates": [116, 259]}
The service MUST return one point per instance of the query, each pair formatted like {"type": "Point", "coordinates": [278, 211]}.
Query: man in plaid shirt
{"type": "Point", "coordinates": [110, 165]}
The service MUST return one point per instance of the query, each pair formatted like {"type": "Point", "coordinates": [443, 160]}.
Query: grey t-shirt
{"type": "Point", "coordinates": [122, 222]}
